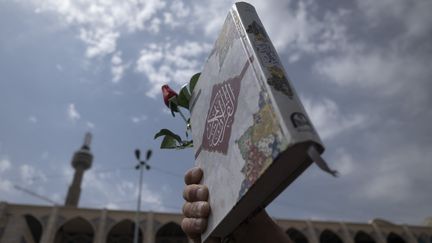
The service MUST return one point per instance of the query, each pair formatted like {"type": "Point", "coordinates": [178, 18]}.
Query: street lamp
{"type": "Point", "coordinates": [140, 166]}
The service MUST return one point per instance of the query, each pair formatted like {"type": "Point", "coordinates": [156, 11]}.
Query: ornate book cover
{"type": "Point", "coordinates": [251, 133]}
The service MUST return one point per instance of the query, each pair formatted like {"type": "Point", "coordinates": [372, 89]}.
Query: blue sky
{"type": "Point", "coordinates": [362, 68]}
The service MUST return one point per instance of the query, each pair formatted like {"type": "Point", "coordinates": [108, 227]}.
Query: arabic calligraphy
{"type": "Point", "coordinates": [220, 116]}
{"type": "Point", "coordinates": [221, 112]}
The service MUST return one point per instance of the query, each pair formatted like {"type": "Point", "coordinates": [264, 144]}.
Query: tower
{"type": "Point", "coordinates": [81, 161]}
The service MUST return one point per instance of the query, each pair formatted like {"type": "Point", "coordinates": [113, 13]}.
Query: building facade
{"type": "Point", "coordinates": [63, 224]}
{"type": "Point", "coordinates": [71, 224]}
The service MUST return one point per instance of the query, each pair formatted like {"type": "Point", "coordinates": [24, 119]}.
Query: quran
{"type": "Point", "coordinates": [252, 136]}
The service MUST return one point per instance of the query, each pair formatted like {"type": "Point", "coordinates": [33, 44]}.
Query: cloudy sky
{"type": "Point", "coordinates": [363, 69]}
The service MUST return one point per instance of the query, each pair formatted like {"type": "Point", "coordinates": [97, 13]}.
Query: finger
{"type": "Point", "coordinates": [193, 176]}
{"type": "Point", "coordinates": [194, 193]}
{"type": "Point", "coordinates": [196, 209]}
{"type": "Point", "coordinates": [192, 226]}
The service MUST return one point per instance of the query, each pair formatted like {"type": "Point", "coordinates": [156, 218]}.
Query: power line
{"type": "Point", "coordinates": [59, 176]}
{"type": "Point", "coordinates": [35, 194]}
{"type": "Point", "coordinates": [100, 171]}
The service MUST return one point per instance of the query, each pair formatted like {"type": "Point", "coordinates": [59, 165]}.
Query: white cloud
{"type": "Point", "coordinates": [67, 173]}
{"type": "Point", "coordinates": [117, 67]}
{"type": "Point", "coordinates": [33, 119]}
{"type": "Point", "coordinates": [6, 185]}
{"type": "Point", "coordinates": [28, 174]}
{"type": "Point", "coordinates": [399, 175]}
{"type": "Point", "coordinates": [100, 41]}
{"type": "Point", "coordinates": [59, 67]}
{"type": "Point", "coordinates": [139, 119]}
{"type": "Point", "coordinates": [112, 206]}
{"type": "Point", "coordinates": [56, 197]}
{"type": "Point", "coordinates": [396, 64]}
{"type": "Point", "coordinates": [413, 18]}
{"type": "Point", "coordinates": [165, 63]}
{"type": "Point", "coordinates": [177, 14]}
{"type": "Point", "coordinates": [393, 187]}
{"type": "Point", "coordinates": [129, 189]}
{"type": "Point", "coordinates": [210, 15]}
{"type": "Point", "coordinates": [302, 32]}
{"type": "Point", "coordinates": [116, 58]}
{"type": "Point", "coordinates": [73, 113]}
{"type": "Point", "coordinates": [101, 22]}
{"type": "Point", "coordinates": [106, 191]}
{"type": "Point", "coordinates": [343, 162]}
{"type": "Point", "coordinates": [179, 9]}
{"type": "Point", "coordinates": [5, 165]}
{"type": "Point", "coordinates": [329, 120]}
{"type": "Point", "coordinates": [90, 125]}
{"type": "Point", "coordinates": [385, 71]}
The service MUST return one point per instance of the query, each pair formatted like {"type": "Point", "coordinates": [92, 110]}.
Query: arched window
{"type": "Point", "coordinates": [34, 226]}
{"type": "Point", "coordinates": [77, 230]}
{"type": "Point", "coordinates": [123, 232]}
{"type": "Point", "coordinates": [296, 236]}
{"type": "Point", "coordinates": [171, 233]}
{"type": "Point", "coordinates": [394, 238]}
{"type": "Point", "coordinates": [362, 237]}
{"type": "Point", "coordinates": [328, 236]}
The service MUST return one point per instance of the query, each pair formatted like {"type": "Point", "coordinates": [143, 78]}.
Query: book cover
{"type": "Point", "coordinates": [251, 133]}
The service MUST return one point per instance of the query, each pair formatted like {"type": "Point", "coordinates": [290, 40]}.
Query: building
{"type": "Point", "coordinates": [59, 224]}
{"type": "Point", "coordinates": [71, 224]}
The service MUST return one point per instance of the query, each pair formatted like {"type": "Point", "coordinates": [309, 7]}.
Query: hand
{"type": "Point", "coordinates": [196, 208]}
{"type": "Point", "coordinates": [260, 228]}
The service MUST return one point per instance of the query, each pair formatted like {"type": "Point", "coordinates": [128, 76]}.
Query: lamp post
{"type": "Point", "coordinates": [140, 166]}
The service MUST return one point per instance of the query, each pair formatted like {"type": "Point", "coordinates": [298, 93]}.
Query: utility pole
{"type": "Point", "coordinates": [140, 166]}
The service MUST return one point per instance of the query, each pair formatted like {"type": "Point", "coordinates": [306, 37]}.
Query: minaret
{"type": "Point", "coordinates": [81, 161]}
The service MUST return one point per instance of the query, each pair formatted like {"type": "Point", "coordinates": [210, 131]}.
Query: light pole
{"type": "Point", "coordinates": [140, 166]}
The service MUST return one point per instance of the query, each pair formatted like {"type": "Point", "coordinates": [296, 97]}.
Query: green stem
{"type": "Point", "coordinates": [181, 114]}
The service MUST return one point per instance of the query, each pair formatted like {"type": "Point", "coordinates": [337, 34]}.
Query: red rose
{"type": "Point", "coordinates": [167, 93]}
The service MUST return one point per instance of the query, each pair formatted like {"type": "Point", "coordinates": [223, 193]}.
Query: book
{"type": "Point", "coordinates": [252, 136]}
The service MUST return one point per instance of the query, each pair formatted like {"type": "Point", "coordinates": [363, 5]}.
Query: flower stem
{"type": "Point", "coordinates": [181, 114]}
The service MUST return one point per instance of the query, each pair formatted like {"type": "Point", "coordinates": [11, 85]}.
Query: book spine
{"type": "Point", "coordinates": [295, 123]}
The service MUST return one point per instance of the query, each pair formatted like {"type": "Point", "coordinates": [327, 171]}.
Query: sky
{"type": "Point", "coordinates": [362, 68]}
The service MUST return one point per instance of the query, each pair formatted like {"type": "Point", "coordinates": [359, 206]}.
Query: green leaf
{"type": "Point", "coordinates": [193, 82]}
{"type": "Point", "coordinates": [184, 97]}
{"type": "Point", "coordinates": [167, 133]}
{"type": "Point", "coordinates": [168, 143]}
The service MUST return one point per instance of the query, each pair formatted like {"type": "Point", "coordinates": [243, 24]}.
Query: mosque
{"type": "Point", "coordinates": [72, 224]}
